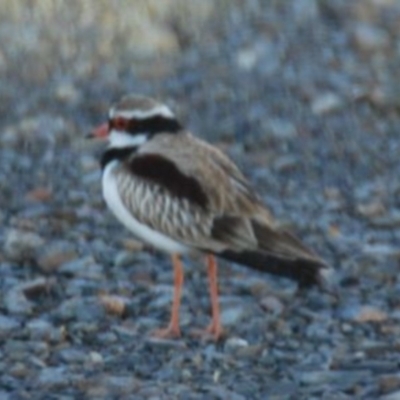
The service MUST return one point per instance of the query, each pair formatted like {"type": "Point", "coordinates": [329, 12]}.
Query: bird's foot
{"type": "Point", "coordinates": [170, 332]}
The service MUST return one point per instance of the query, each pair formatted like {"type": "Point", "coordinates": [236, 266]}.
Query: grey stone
{"type": "Point", "coordinates": [40, 349]}
{"type": "Point", "coordinates": [17, 303]}
{"type": "Point", "coordinates": [166, 344]}
{"type": "Point", "coordinates": [378, 250]}
{"type": "Point", "coordinates": [19, 370]}
{"type": "Point", "coordinates": [323, 377]}
{"type": "Point", "coordinates": [286, 163]}
{"type": "Point", "coordinates": [35, 286]}
{"type": "Point", "coordinates": [233, 343]}
{"type": "Point", "coordinates": [95, 357]}
{"type": "Point", "coordinates": [164, 296]}
{"type": "Point", "coordinates": [371, 210]}
{"type": "Point", "coordinates": [54, 377]}
{"type": "Point", "coordinates": [125, 332]}
{"type": "Point", "coordinates": [326, 103]}
{"type": "Point", "coordinates": [362, 313]}
{"type": "Point", "coordinates": [388, 221]}
{"type": "Point", "coordinates": [83, 268]}
{"type": "Point", "coordinates": [125, 259]}
{"type": "Point", "coordinates": [305, 11]}
{"type": "Point", "coordinates": [282, 390]}
{"type": "Point", "coordinates": [54, 254]}
{"type": "Point", "coordinates": [232, 315]}
{"type": "Point", "coordinates": [21, 245]}
{"type": "Point", "coordinates": [7, 325]}
{"type": "Point", "coordinates": [123, 384]}
{"type": "Point", "coordinates": [39, 328]}
{"type": "Point", "coordinates": [67, 93]}
{"type": "Point", "coordinates": [389, 383]}
{"type": "Point", "coordinates": [370, 38]}
{"type": "Point", "coordinates": [5, 395]}
{"type": "Point", "coordinates": [281, 128]}
{"type": "Point", "coordinates": [75, 267]}
{"type": "Point", "coordinates": [219, 392]}
{"type": "Point", "coordinates": [248, 57]}
{"type": "Point", "coordinates": [272, 305]}
{"type": "Point", "coordinates": [391, 396]}
{"type": "Point", "coordinates": [107, 338]}
{"type": "Point", "coordinates": [317, 330]}
{"type": "Point", "coordinates": [78, 309]}
{"type": "Point", "coordinates": [81, 287]}
{"type": "Point", "coordinates": [72, 355]}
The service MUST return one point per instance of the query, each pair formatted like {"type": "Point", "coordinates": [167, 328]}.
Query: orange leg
{"type": "Point", "coordinates": [173, 330]}
{"type": "Point", "coordinates": [215, 327]}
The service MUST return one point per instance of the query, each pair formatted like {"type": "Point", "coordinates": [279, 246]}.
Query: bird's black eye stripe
{"type": "Point", "coordinates": [153, 125]}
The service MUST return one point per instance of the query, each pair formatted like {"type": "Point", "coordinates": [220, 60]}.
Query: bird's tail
{"type": "Point", "coordinates": [280, 253]}
{"type": "Point", "coordinates": [305, 271]}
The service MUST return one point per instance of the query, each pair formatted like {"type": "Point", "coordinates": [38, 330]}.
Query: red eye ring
{"type": "Point", "coordinates": [120, 123]}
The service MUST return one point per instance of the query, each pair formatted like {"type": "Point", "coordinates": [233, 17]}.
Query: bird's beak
{"type": "Point", "coordinates": [101, 132]}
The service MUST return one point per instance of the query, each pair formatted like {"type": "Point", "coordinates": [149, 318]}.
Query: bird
{"type": "Point", "coordinates": [182, 195]}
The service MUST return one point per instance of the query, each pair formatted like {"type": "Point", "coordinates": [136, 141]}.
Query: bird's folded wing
{"type": "Point", "coordinates": [204, 201]}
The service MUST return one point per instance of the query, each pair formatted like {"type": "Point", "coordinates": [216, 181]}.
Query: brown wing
{"type": "Point", "coordinates": [205, 202]}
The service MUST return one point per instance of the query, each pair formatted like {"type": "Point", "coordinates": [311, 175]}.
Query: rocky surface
{"type": "Point", "coordinates": [304, 95]}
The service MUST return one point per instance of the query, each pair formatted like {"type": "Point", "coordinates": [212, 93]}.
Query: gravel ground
{"type": "Point", "coordinates": [304, 95]}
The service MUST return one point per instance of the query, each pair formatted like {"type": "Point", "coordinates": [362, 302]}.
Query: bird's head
{"type": "Point", "coordinates": [134, 120]}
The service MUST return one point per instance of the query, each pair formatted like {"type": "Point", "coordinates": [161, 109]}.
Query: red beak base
{"type": "Point", "coordinates": [101, 132]}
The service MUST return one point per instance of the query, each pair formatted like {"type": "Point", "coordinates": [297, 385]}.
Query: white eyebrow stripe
{"type": "Point", "coordinates": [161, 110]}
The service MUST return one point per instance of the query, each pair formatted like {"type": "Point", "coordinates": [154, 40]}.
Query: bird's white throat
{"type": "Point", "coordinates": [118, 139]}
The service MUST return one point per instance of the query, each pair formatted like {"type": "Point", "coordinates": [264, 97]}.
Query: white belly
{"type": "Point", "coordinates": [141, 231]}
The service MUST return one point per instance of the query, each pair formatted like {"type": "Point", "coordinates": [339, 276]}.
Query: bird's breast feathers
{"type": "Point", "coordinates": [113, 198]}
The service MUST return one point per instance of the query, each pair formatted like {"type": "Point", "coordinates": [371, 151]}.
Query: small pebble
{"type": "Point", "coordinates": [123, 384]}
{"type": "Point", "coordinates": [165, 343]}
{"type": "Point", "coordinates": [389, 383]}
{"type": "Point", "coordinates": [7, 324]}
{"type": "Point", "coordinates": [21, 246]}
{"type": "Point", "coordinates": [234, 343]}
{"type": "Point", "coordinates": [390, 220]}
{"type": "Point", "coordinates": [53, 377]}
{"type": "Point", "coordinates": [16, 302]}
{"type": "Point", "coordinates": [370, 38]}
{"type": "Point", "coordinates": [68, 93]}
{"type": "Point", "coordinates": [360, 313]}
{"type": "Point", "coordinates": [323, 377]}
{"type": "Point", "coordinates": [371, 210]}
{"type": "Point", "coordinates": [377, 250]}
{"type": "Point", "coordinates": [281, 128]}
{"type": "Point", "coordinates": [326, 103]}
{"type": "Point", "coordinates": [53, 255]}
{"type": "Point", "coordinates": [391, 396]}
{"type": "Point", "coordinates": [114, 304]}
{"type": "Point", "coordinates": [72, 355]}
{"type": "Point", "coordinates": [305, 11]}
{"type": "Point", "coordinates": [35, 287]}
{"type": "Point", "coordinates": [39, 329]}
{"type": "Point", "coordinates": [95, 357]}
{"type": "Point", "coordinates": [124, 259]}
{"type": "Point", "coordinates": [233, 315]}
{"type": "Point", "coordinates": [78, 309]}
{"type": "Point", "coordinates": [272, 305]}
